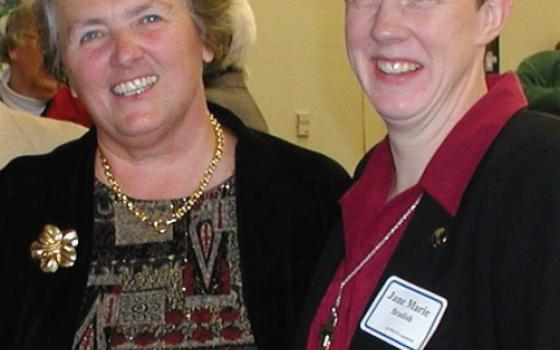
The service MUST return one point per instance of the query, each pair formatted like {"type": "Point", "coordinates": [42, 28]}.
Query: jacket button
{"type": "Point", "coordinates": [439, 237]}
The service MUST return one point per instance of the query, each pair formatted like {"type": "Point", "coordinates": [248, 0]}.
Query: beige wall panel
{"type": "Point", "coordinates": [374, 128]}
{"type": "Point", "coordinates": [299, 64]}
{"type": "Point", "coordinates": [532, 27]}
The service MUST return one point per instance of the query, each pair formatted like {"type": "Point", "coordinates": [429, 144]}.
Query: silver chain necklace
{"type": "Point", "coordinates": [327, 329]}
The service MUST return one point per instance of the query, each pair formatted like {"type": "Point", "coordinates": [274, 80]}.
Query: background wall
{"type": "Point", "coordinates": [299, 64]}
{"type": "Point", "coordinates": [532, 27]}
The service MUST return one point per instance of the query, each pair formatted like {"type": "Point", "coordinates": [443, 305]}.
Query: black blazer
{"type": "Point", "coordinates": [500, 267]}
{"type": "Point", "coordinates": [286, 205]}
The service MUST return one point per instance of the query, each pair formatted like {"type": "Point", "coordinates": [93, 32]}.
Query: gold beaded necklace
{"type": "Point", "coordinates": [161, 225]}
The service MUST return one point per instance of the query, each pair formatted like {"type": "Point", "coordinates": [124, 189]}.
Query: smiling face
{"type": "Point", "coordinates": [136, 64]}
{"type": "Point", "coordinates": [417, 57]}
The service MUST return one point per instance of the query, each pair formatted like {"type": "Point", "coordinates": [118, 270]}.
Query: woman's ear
{"type": "Point", "coordinates": [494, 14]}
{"type": "Point", "coordinates": [207, 54]}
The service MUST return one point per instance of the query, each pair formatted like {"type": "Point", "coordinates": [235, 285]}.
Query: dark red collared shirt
{"type": "Point", "coordinates": [367, 216]}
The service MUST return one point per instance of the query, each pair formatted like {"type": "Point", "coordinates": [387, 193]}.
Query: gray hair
{"type": "Point", "coordinates": [227, 28]}
{"type": "Point", "coordinates": [48, 29]}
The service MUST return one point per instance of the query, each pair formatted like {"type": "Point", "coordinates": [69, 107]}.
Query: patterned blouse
{"type": "Point", "coordinates": [177, 290]}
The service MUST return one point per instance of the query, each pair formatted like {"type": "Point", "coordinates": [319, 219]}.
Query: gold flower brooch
{"type": "Point", "coordinates": [55, 248]}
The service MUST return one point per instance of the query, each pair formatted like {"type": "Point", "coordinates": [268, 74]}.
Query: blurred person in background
{"type": "Point", "coordinates": [170, 224]}
{"type": "Point", "coordinates": [25, 84]}
{"type": "Point", "coordinates": [540, 77]}
{"type": "Point", "coordinates": [224, 78]}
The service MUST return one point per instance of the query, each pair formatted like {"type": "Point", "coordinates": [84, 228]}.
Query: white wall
{"type": "Point", "coordinates": [299, 64]}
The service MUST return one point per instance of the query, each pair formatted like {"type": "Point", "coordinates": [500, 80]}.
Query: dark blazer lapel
{"type": "Point", "coordinates": [263, 244]}
{"type": "Point", "coordinates": [419, 258]}
{"type": "Point", "coordinates": [267, 243]}
{"type": "Point", "coordinates": [77, 213]}
{"type": "Point", "coordinates": [331, 256]}
{"type": "Point", "coordinates": [259, 205]}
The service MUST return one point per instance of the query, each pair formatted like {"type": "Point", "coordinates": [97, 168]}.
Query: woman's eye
{"type": "Point", "coordinates": [151, 19]}
{"type": "Point", "coordinates": [89, 36]}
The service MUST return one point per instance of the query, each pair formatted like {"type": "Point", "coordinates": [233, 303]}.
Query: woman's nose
{"type": "Point", "coordinates": [126, 48]}
{"type": "Point", "coordinates": [388, 22]}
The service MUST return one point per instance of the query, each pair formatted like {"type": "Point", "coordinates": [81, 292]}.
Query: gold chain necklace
{"type": "Point", "coordinates": [161, 225]}
{"type": "Point", "coordinates": [326, 331]}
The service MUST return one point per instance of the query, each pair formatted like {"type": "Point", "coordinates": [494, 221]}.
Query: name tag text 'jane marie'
{"type": "Point", "coordinates": [408, 304]}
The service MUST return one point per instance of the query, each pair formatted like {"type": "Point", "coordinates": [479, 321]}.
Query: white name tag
{"type": "Point", "coordinates": [404, 315]}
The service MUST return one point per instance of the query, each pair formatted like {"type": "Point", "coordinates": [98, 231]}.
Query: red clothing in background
{"type": "Point", "coordinates": [65, 107]}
